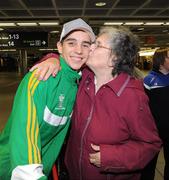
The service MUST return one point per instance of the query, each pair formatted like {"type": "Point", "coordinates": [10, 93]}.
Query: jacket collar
{"type": "Point", "coordinates": [119, 83]}
{"type": "Point", "coordinates": [73, 74]}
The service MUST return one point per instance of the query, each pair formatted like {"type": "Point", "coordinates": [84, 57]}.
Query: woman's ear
{"type": "Point", "coordinates": [59, 46]}
{"type": "Point", "coordinates": [113, 59]}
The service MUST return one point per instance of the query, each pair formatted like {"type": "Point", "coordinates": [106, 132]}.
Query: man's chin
{"type": "Point", "coordinates": [76, 68]}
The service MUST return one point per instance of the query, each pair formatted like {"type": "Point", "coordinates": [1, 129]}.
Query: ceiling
{"type": "Point", "coordinates": [114, 10]}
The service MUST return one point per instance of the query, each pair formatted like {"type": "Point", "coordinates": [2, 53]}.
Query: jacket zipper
{"type": "Point", "coordinates": [81, 142]}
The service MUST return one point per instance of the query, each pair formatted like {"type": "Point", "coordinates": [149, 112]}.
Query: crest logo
{"type": "Point", "coordinates": [60, 104]}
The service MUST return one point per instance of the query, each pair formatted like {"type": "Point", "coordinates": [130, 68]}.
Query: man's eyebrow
{"type": "Point", "coordinates": [72, 39]}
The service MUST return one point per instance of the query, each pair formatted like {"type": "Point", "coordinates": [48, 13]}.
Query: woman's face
{"type": "Point", "coordinates": [100, 56]}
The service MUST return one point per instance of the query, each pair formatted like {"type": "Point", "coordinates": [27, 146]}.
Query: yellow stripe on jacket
{"type": "Point", "coordinates": [32, 126]}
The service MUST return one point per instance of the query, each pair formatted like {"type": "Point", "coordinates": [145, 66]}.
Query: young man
{"type": "Point", "coordinates": [35, 131]}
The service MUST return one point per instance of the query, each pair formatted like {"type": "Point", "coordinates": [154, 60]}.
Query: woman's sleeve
{"type": "Point", "coordinates": [49, 55]}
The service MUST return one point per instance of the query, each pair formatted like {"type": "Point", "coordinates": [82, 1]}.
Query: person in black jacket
{"type": "Point", "coordinates": [156, 85]}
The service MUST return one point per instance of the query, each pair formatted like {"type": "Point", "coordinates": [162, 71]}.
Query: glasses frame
{"type": "Point", "coordinates": [100, 46]}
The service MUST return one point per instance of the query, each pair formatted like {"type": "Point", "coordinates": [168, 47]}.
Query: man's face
{"type": "Point", "coordinates": [75, 49]}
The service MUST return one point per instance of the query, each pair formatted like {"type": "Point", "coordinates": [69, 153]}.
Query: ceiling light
{"type": "Point", "coordinates": [54, 32]}
{"type": "Point", "coordinates": [154, 23]}
{"type": "Point", "coordinates": [112, 23]}
{"type": "Point", "coordinates": [100, 4]}
{"type": "Point", "coordinates": [48, 23]}
{"type": "Point", "coordinates": [1, 29]}
{"type": "Point", "coordinates": [167, 23]}
{"type": "Point", "coordinates": [133, 23]}
{"type": "Point", "coordinates": [7, 49]}
{"type": "Point", "coordinates": [48, 49]}
{"type": "Point", "coordinates": [27, 24]}
{"type": "Point", "coordinates": [140, 29]}
{"type": "Point", "coordinates": [7, 24]}
{"type": "Point", "coordinates": [147, 52]}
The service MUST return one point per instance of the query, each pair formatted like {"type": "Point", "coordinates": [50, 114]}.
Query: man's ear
{"type": "Point", "coordinates": [59, 46]}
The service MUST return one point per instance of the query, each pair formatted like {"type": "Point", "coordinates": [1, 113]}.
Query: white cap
{"type": "Point", "coordinates": [75, 25]}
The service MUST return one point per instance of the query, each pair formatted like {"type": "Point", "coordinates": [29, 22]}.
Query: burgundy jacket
{"type": "Point", "coordinates": [118, 119]}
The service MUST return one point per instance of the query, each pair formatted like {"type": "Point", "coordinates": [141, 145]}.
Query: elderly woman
{"type": "Point", "coordinates": [113, 134]}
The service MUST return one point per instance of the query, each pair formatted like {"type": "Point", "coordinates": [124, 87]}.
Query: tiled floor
{"type": "Point", "coordinates": [8, 86]}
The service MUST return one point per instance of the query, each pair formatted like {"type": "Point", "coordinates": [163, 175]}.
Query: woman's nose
{"type": "Point", "coordinates": [93, 46]}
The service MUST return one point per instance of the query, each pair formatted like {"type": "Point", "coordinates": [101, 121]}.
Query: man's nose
{"type": "Point", "coordinates": [79, 49]}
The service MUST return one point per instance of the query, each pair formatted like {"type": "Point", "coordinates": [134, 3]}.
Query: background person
{"type": "Point", "coordinates": [113, 134]}
{"type": "Point", "coordinates": [35, 131]}
{"type": "Point", "coordinates": [156, 84]}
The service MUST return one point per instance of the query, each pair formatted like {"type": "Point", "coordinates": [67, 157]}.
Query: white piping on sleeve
{"type": "Point", "coordinates": [27, 172]}
{"type": "Point", "coordinates": [53, 119]}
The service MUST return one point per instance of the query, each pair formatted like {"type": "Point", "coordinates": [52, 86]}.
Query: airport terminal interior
{"type": "Point", "coordinates": [29, 29]}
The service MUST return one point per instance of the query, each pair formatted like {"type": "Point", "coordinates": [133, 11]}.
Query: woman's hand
{"type": "Point", "coordinates": [45, 69]}
{"type": "Point", "coordinates": [95, 157]}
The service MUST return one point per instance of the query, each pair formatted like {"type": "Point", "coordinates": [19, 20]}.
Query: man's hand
{"type": "Point", "coordinates": [95, 157]}
{"type": "Point", "coordinates": [45, 69]}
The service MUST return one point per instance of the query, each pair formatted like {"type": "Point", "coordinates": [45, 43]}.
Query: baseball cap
{"type": "Point", "coordinates": [75, 25]}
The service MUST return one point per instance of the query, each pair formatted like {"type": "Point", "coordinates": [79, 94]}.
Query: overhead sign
{"type": "Point", "coordinates": [23, 40]}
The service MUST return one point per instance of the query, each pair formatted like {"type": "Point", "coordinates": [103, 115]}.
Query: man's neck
{"type": "Point", "coordinates": [164, 71]}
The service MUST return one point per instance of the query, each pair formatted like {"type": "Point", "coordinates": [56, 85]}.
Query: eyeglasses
{"type": "Point", "coordinates": [97, 45]}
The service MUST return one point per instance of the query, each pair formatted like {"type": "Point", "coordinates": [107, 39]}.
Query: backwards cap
{"type": "Point", "coordinates": [77, 24]}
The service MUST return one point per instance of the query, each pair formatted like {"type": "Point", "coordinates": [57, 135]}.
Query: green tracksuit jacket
{"type": "Point", "coordinates": [35, 131]}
